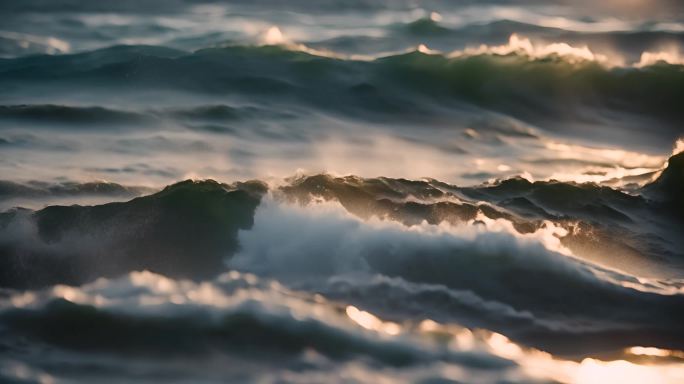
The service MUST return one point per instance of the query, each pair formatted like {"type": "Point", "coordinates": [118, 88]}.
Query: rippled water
{"type": "Point", "coordinates": [433, 192]}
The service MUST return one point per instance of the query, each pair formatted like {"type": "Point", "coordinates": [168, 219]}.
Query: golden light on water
{"type": "Point", "coordinates": [371, 322]}
{"type": "Point", "coordinates": [592, 371]}
{"type": "Point", "coordinates": [523, 45]}
{"type": "Point", "coordinates": [273, 36]}
{"type": "Point", "coordinates": [656, 352]}
{"type": "Point", "coordinates": [540, 364]}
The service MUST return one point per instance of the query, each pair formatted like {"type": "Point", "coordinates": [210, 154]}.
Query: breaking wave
{"type": "Point", "coordinates": [239, 318]}
{"type": "Point", "coordinates": [515, 257]}
{"type": "Point", "coordinates": [503, 78]}
{"type": "Point", "coordinates": [481, 192]}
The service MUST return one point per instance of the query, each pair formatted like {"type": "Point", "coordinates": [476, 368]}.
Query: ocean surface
{"type": "Point", "coordinates": [361, 191]}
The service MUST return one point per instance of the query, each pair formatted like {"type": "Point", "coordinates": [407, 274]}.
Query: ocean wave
{"type": "Point", "coordinates": [602, 222]}
{"type": "Point", "coordinates": [223, 112]}
{"type": "Point", "coordinates": [36, 189]}
{"type": "Point", "coordinates": [16, 44]}
{"type": "Point", "coordinates": [405, 85]}
{"type": "Point", "coordinates": [653, 58]}
{"type": "Point", "coordinates": [429, 192]}
{"type": "Point", "coordinates": [35, 194]}
{"type": "Point", "coordinates": [185, 230]}
{"type": "Point", "coordinates": [669, 186]}
{"type": "Point", "coordinates": [522, 238]}
{"type": "Point", "coordinates": [307, 246]}
{"type": "Point", "coordinates": [239, 318]}
{"type": "Point", "coordinates": [70, 115]}
{"type": "Point", "coordinates": [105, 119]}
{"type": "Point", "coordinates": [235, 313]}
{"type": "Point", "coordinates": [76, 244]}
{"type": "Point", "coordinates": [351, 270]}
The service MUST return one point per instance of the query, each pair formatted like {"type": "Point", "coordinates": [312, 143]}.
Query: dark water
{"type": "Point", "coordinates": [375, 191]}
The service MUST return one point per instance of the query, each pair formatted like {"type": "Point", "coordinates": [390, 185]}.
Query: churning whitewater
{"type": "Point", "coordinates": [369, 191]}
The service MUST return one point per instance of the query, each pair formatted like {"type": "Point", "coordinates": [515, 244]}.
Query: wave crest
{"type": "Point", "coordinates": [523, 46]}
